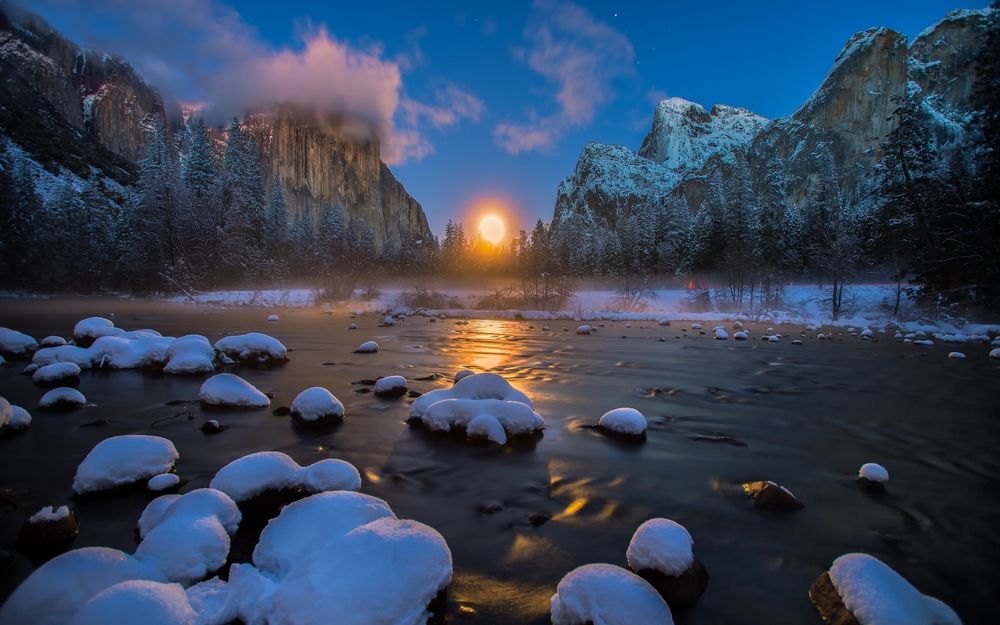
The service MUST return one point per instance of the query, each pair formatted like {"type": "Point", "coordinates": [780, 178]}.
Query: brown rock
{"type": "Point", "coordinates": [48, 538]}
{"type": "Point", "coordinates": [828, 603]}
{"type": "Point", "coordinates": [683, 589]}
{"type": "Point", "coordinates": [768, 495]}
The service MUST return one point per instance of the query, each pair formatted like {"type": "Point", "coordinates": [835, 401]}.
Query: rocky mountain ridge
{"type": "Point", "coordinates": [849, 113]}
{"type": "Point", "coordinates": [81, 113]}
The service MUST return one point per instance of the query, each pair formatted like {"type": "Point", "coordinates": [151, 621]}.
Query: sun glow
{"type": "Point", "coordinates": [492, 228]}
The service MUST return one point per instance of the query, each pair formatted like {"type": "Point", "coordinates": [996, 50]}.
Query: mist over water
{"type": "Point", "coordinates": [808, 415]}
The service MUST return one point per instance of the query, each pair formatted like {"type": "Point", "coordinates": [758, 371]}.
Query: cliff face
{"type": "Point", "coordinates": [80, 110]}
{"type": "Point", "coordinates": [317, 165]}
{"type": "Point", "coordinates": [850, 113]}
{"type": "Point", "coordinates": [100, 95]}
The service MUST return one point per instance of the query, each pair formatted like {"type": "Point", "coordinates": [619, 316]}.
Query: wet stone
{"type": "Point", "coordinates": [828, 603]}
{"type": "Point", "coordinates": [770, 496]}
{"type": "Point", "coordinates": [678, 590]}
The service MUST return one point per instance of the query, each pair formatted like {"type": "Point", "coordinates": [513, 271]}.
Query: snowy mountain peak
{"type": "Point", "coordinates": [684, 136]}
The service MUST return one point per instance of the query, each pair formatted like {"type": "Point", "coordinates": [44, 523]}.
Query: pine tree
{"type": "Point", "coordinates": [20, 210]}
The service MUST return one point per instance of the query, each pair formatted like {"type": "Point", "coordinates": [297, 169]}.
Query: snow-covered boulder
{"type": "Point", "coordinates": [661, 552]}
{"type": "Point", "coordinates": [388, 320]}
{"type": "Point", "coordinates": [52, 341]}
{"type": "Point", "coordinates": [737, 325]}
{"type": "Point", "coordinates": [138, 601]}
{"type": "Point", "coordinates": [352, 326]}
{"type": "Point", "coordinates": [86, 331]}
{"type": "Point", "coordinates": [189, 538]}
{"type": "Point", "coordinates": [227, 389]}
{"type": "Point", "coordinates": [995, 354]}
{"type": "Point", "coordinates": [607, 595]}
{"type": "Point", "coordinates": [316, 404]}
{"type": "Point", "coordinates": [62, 398]}
{"type": "Point", "coordinates": [13, 418]}
{"type": "Point", "coordinates": [696, 326]}
{"type": "Point", "coordinates": [463, 373]}
{"type": "Point", "coordinates": [162, 482]}
{"type": "Point", "coordinates": [122, 460]}
{"type": "Point", "coordinates": [388, 571]}
{"type": "Point", "coordinates": [57, 374]}
{"type": "Point", "coordinates": [253, 348]}
{"type": "Point", "coordinates": [257, 473]}
{"type": "Point", "coordinates": [311, 524]}
{"type": "Point", "coordinates": [867, 333]}
{"type": "Point", "coordinates": [273, 318]}
{"type": "Point", "coordinates": [480, 398]}
{"type": "Point", "coordinates": [873, 477]}
{"type": "Point", "coordinates": [584, 329]}
{"type": "Point", "coordinates": [48, 531]}
{"type": "Point", "coordinates": [774, 338]}
{"type": "Point", "coordinates": [956, 355]}
{"type": "Point", "coordinates": [623, 422]}
{"type": "Point", "coordinates": [368, 347]}
{"type": "Point", "coordinates": [741, 335]}
{"type": "Point", "coordinates": [56, 591]}
{"type": "Point", "coordinates": [390, 386]}
{"type": "Point", "coordinates": [860, 588]}
{"type": "Point", "coordinates": [127, 352]}
{"type": "Point", "coordinates": [721, 334]}
{"type": "Point", "coordinates": [190, 355]}
{"type": "Point", "coordinates": [664, 322]}
{"type": "Point", "coordinates": [14, 344]}
{"type": "Point", "coordinates": [80, 356]}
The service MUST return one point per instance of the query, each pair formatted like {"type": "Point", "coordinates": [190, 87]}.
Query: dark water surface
{"type": "Point", "coordinates": [810, 416]}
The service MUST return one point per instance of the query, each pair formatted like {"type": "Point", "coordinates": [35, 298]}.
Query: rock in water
{"type": "Point", "coordinates": [48, 532]}
{"type": "Point", "coordinates": [661, 553]}
{"type": "Point", "coordinates": [768, 495]}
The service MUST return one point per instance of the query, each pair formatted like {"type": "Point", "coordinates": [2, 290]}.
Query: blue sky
{"type": "Point", "coordinates": [475, 99]}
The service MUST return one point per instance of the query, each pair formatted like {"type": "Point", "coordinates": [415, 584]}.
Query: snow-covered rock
{"type": "Point", "coordinates": [624, 421]}
{"type": "Point", "coordinates": [873, 472]}
{"type": "Point", "coordinates": [957, 355]}
{"type": "Point", "coordinates": [52, 341]}
{"type": "Point", "coordinates": [995, 354]}
{"type": "Point", "coordinates": [463, 373]}
{"type": "Point", "coordinates": [14, 344]}
{"type": "Point", "coordinates": [49, 514]}
{"type": "Point", "coordinates": [58, 373]}
{"type": "Point", "coordinates": [486, 426]}
{"type": "Point", "coordinates": [163, 481]}
{"type": "Point", "coordinates": [189, 538]}
{"type": "Point", "coordinates": [13, 418]}
{"type": "Point", "coordinates": [696, 326]}
{"type": "Point", "coordinates": [253, 474]}
{"type": "Point", "coordinates": [190, 355]}
{"type": "Point", "coordinates": [273, 318]}
{"type": "Point", "coordinates": [368, 347]}
{"type": "Point", "coordinates": [485, 395]}
{"type": "Point", "coordinates": [48, 531]}
{"type": "Point", "coordinates": [86, 331]}
{"type": "Point", "coordinates": [352, 326]}
{"type": "Point", "coordinates": [584, 329]}
{"type": "Point", "coordinates": [604, 594]}
{"type": "Point", "coordinates": [741, 335]}
{"type": "Point", "coordinates": [874, 594]}
{"type": "Point", "coordinates": [721, 334]}
{"type": "Point", "coordinates": [774, 338]}
{"type": "Point", "coordinates": [62, 398]}
{"type": "Point", "coordinates": [315, 404]}
{"type": "Point", "coordinates": [390, 386]}
{"type": "Point", "coordinates": [388, 320]}
{"type": "Point", "coordinates": [661, 545]}
{"type": "Point", "coordinates": [57, 590]}
{"type": "Point", "coordinates": [311, 524]}
{"type": "Point", "coordinates": [122, 460]}
{"type": "Point", "coordinates": [138, 601]}
{"type": "Point", "coordinates": [768, 495]}
{"type": "Point", "coordinates": [227, 389]}
{"type": "Point", "coordinates": [253, 348]}
{"type": "Point", "coordinates": [80, 356]}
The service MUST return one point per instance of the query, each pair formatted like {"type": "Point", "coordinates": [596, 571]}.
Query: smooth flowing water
{"type": "Point", "coordinates": [809, 417]}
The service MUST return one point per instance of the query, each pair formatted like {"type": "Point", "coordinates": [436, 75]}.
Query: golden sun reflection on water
{"type": "Point", "coordinates": [526, 601]}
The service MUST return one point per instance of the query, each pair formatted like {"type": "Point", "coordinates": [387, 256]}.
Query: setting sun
{"type": "Point", "coordinates": [492, 229]}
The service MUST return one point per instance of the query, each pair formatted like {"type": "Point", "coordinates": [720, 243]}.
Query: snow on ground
{"type": "Point", "coordinates": [865, 305]}
{"type": "Point", "coordinates": [877, 595]}
{"type": "Point", "coordinates": [15, 344]}
{"type": "Point", "coordinates": [253, 474]}
{"type": "Point", "coordinates": [227, 389]}
{"type": "Point", "coordinates": [121, 460]}
{"type": "Point", "coordinates": [624, 421]}
{"type": "Point", "coordinates": [317, 403]}
{"type": "Point", "coordinates": [661, 545]}
{"type": "Point", "coordinates": [607, 595]}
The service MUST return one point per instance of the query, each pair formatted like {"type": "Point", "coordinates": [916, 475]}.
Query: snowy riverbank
{"type": "Point", "coordinates": [865, 305]}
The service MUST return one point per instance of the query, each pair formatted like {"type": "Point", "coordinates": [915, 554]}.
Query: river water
{"type": "Point", "coordinates": [809, 417]}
